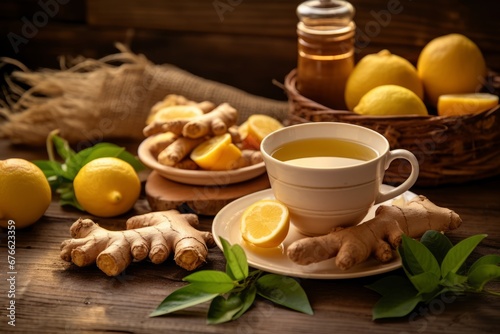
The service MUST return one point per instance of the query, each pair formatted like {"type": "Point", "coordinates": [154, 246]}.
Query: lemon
{"type": "Point", "coordinates": [382, 68]}
{"type": "Point", "coordinates": [390, 100]}
{"type": "Point", "coordinates": [177, 113]}
{"type": "Point", "coordinates": [210, 151]}
{"type": "Point", "coordinates": [25, 193]}
{"type": "Point", "coordinates": [265, 223]}
{"type": "Point", "coordinates": [229, 155]}
{"type": "Point", "coordinates": [107, 187]}
{"type": "Point", "coordinates": [463, 104]}
{"type": "Point", "coordinates": [450, 64]}
{"type": "Point", "coordinates": [260, 126]}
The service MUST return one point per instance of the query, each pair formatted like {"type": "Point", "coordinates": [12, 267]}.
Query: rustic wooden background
{"type": "Point", "coordinates": [244, 43]}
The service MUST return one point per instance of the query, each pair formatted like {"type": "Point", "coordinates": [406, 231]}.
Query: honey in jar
{"type": "Point", "coordinates": [325, 50]}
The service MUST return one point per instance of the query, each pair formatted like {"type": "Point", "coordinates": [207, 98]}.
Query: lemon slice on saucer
{"type": "Point", "coordinates": [265, 223]}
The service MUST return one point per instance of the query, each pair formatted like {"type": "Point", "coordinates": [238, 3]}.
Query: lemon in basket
{"type": "Point", "coordinates": [450, 64]}
{"type": "Point", "coordinates": [390, 100]}
{"type": "Point", "coordinates": [463, 104]}
{"type": "Point", "coordinates": [379, 69]}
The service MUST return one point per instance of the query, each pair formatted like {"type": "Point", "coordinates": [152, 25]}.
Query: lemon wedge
{"type": "Point", "coordinates": [463, 104]}
{"type": "Point", "coordinates": [260, 126]}
{"type": "Point", "coordinates": [229, 155]}
{"type": "Point", "coordinates": [207, 153]}
{"type": "Point", "coordinates": [177, 112]}
{"type": "Point", "coordinates": [265, 223]}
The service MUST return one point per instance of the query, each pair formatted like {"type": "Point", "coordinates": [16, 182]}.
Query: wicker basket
{"type": "Point", "coordinates": [449, 149]}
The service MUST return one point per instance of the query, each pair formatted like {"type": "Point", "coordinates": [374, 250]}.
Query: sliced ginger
{"type": "Point", "coordinates": [377, 237]}
{"type": "Point", "coordinates": [155, 235]}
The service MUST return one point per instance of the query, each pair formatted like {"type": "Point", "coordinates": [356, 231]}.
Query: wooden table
{"type": "Point", "coordinates": [53, 296]}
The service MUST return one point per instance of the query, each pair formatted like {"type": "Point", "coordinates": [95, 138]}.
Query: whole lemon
{"type": "Point", "coordinates": [379, 69]}
{"type": "Point", "coordinates": [389, 100]}
{"type": "Point", "coordinates": [107, 187]}
{"type": "Point", "coordinates": [25, 192]}
{"type": "Point", "coordinates": [450, 64]}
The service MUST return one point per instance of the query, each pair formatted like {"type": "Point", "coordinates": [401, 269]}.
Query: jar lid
{"type": "Point", "coordinates": [325, 13]}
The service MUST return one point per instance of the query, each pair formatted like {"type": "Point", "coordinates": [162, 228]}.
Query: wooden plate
{"type": "Point", "coordinates": [164, 194]}
{"type": "Point", "coordinates": [198, 177]}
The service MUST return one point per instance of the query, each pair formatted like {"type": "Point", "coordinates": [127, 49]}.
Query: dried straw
{"type": "Point", "coordinates": [92, 100]}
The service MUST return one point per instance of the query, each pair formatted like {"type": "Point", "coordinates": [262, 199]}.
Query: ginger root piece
{"type": "Point", "coordinates": [157, 126]}
{"type": "Point", "coordinates": [216, 122]}
{"type": "Point", "coordinates": [247, 158]}
{"type": "Point", "coordinates": [178, 150]}
{"type": "Point", "coordinates": [161, 141]}
{"type": "Point", "coordinates": [235, 134]}
{"type": "Point", "coordinates": [377, 237]}
{"type": "Point", "coordinates": [156, 234]}
{"type": "Point", "coordinates": [187, 163]}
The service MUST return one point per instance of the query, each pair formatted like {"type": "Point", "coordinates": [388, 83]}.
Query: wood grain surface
{"type": "Point", "coordinates": [253, 44]}
{"type": "Point", "coordinates": [53, 296]}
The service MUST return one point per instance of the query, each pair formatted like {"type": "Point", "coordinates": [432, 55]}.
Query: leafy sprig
{"type": "Point", "coordinates": [433, 266]}
{"type": "Point", "coordinates": [61, 174]}
{"type": "Point", "coordinates": [234, 291]}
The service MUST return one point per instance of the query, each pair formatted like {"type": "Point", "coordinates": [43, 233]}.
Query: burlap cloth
{"type": "Point", "coordinates": [94, 100]}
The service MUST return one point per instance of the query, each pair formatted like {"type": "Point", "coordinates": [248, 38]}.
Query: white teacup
{"type": "Point", "coordinates": [329, 174]}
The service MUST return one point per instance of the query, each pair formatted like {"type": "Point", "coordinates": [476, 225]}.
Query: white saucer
{"type": "Point", "coordinates": [226, 224]}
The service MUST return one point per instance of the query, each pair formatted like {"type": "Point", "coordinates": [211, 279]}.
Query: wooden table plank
{"type": "Point", "coordinates": [53, 296]}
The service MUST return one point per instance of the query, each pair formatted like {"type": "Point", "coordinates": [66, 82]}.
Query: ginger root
{"type": "Point", "coordinates": [216, 122]}
{"type": "Point", "coordinates": [247, 158]}
{"type": "Point", "coordinates": [377, 237]}
{"type": "Point", "coordinates": [178, 150]}
{"type": "Point", "coordinates": [156, 234]}
{"type": "Point", "coordinates": [161, 141]}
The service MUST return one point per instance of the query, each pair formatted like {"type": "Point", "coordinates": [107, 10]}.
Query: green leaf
{"type": "Point", "coordinates": [437, 243]}
{"type": "Point", "coordinates": [426, 282]}
{"type": "Point", "coordinates": [49, 168]}
{"type": "Point", "coordinates": [482, 274]}
{"type": "Point", "coordinates": [459, 253]}
{"type": "Point", "coordinates": [417, 259]}
{"type": "Point", "coordinates": [132, 160]}
{"type": "Point", "coordinates": [102, 150]}
{"type": "Point", "coordinates": [222, 309]}
{"type": "Point", "coordinates": [453, 280]}
{"type": "Point", "coordinates": [284, 291]}
{"type": "Point", "coordinates": [248, 297]}
{"type": "Point", "coordinates": [211, 281]}
{"type": "Point", "coordinates": [236, 260]}
{"type": "Point", "coordinates": [62, 147]}
{"type": "Point", "coordinates": [399, 297]}
{"type": "Point", "coordinates": [182, 298]}
{"type": "Point", "coordinates": [486, 259]}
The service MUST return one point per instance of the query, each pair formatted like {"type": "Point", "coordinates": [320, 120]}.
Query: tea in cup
{"type": "Point", "coordinates": [330, 174]}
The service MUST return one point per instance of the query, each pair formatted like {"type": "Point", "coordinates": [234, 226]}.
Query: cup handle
{"type": "Point", "coordinates": [410, 181]}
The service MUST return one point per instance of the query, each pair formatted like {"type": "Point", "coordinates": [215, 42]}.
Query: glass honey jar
{"type": "Point", "coordinates": [325, 50]}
